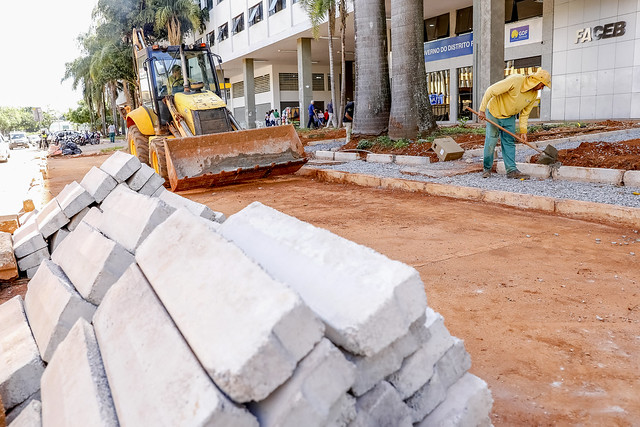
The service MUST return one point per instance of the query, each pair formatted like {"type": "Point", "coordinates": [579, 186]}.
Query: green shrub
{"type": "Point", "coordinates": [364, 144]}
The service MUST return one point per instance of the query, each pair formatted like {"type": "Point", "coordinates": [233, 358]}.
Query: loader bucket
{"type": "Point", "coordinates": [225, 158]}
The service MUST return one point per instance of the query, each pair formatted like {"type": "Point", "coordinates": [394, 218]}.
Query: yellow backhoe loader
{"type": "Point", "coordinates": [184, 130]}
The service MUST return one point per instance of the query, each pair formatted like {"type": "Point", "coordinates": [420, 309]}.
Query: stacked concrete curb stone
{"type": "Point", "coordinates": [155, 310]}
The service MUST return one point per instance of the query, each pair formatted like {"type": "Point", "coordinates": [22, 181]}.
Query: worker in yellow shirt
{"type": "Point", "coordinates": [517, 94]}
{"type": "Point", "coordinates": [175, 81]}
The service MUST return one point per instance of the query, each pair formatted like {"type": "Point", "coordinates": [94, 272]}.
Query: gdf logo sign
{"type": "Point", "coordinates": [598, 32]}
{"type": "Point", "coordinates": [518, 34]}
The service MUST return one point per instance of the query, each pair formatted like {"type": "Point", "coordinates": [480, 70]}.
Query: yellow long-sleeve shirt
{"type": "Point", "coordinates": [509, 97]}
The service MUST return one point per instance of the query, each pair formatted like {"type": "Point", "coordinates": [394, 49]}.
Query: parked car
{"type": "Point", "coordinates": [4, 149]}
{"type": "Point", "coordinates": [34, 140]}
{"type": "Point", "coordinates": [18, 139]}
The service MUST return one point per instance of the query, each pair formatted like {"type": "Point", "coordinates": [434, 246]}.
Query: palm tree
{"type": "Point", "coordinates": [342, 9]}
{"type": "Point", "coordinates": [317, 10]}
{"type": "Point", "coordinates": [411, 113]}
{"type": "Point", "coordinates": [373, 95]}
{"type": "Point", "coordinates": [179, 17]}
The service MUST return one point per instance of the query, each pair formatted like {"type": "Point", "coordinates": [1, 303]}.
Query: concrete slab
{"type": "Point", "coordinates": [57, 238]}
{"type": "Point", "coordinates": [77, 219]}
{"type": "Point", "coordinates": [8, 264]}
{"type": "Point", "coordinates": [121, 166]}
{"type": "Point", "coordinates": [51, 218]}
{"type": "Point", "coordinates": [28, 230]}
{"type": "Point", "coordinates": [75, 391]}
{"type": "Point", "coordinates": [332, 275]}
{"type": "Point", "coordinates": [382, 407]}
{"type": "Point", "coordinates": [93, 218]}
{"type": "Point", "coordinates": [599, 212]}
{"type": "Point", "coordinates": [342, 156]}
{"type": "Point", "coordinates": [92, 262]}
{"type": "Point", "coordinates": [30, 416]}
{"type": "Point", "coordinates": [98, 183]}
{"type": "Point", "coordinates": [140, 177]}
{"type": "Point", "coordinates": [149, 353]}
{"type": "Point", "coordinates": [533, 169]}
{"type": "Point", "coordinates": [33, 260]}
{"type": "Point", "coordinates": [456, 168]}
{"type": "Point", "coordinates": [17, 410]}
{"type": "Point", "coordinates": [152, 185]}
{"type": "Point", "coordinates": [307, 398]}
{"type": "Point", "coordinates": [20, 363]}
{"type": "Point", "coordinates": [31, 272]}
{"type": "Point", "coordinates": [176, 201]}
{"type": "Point", "coordinates": [247, 330]}
{"type": "Point", "coordinates": [53, 306]}
{"type": "Point", "coordinates": [343, 412]}
{"type": "Point", "coordinates": [129, 217]}
{"type": "Point", "coordinates": [468, 403]}
{"type": "Point", "coordinates": [9, 223]}
{"type": "Point", "coordinates": [631, 179]}
{"type": "Point", "coordinates": [597, 175]}
{"type": "Point", "coordinates": [27, 216]}
{"type": "Point", "coordinates": [380, 158]}
{"type": "Point", "coordinates": [323, 155]}
{"type": "Point", "coordinates": [73, 198]}
{"type": "Point", "coordinates": [412, 160]}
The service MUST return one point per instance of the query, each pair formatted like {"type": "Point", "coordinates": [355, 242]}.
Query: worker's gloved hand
{"type": "Point", "coordinates": [482, 115]}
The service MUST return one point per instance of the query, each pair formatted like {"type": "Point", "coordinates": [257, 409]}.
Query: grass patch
{"type": "Point", "coordinates": [110, 150]}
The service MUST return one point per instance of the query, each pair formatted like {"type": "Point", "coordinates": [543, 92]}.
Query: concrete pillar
{"type": "Point", "coordinates": [547, 56]}
{"type": "Point", "coordinates": [249, 93]}
{"type": "Point", "coordinates": [305, 91]}
{"type": "Point", "coordinates": [453, 94]}
{"type": "Point", "coordinates": [488, 46]}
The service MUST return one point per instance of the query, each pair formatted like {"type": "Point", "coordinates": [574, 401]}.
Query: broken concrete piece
{"type": "Point", "coordinates": [366, 300]}
{"type": "Point", "coordinates": [140, 177]}
{"type": "Point", "coordinates": [75, 390]}
{"type": "Point", "coordinates": [34, 259]}
{"type": "Point", "coordinates": [27, 216]}
{"type": "Point", "coordinates": [98, 183]}
{"type": "Point", "coordinates": [51, 218]}
{"type": "Point", "coordinates": [324, 376]}
{"type": "Point", "coordinates": [77, 219]}
{"type": "Point", "coordinates": [20, 363]}
{"type": "Point", "coordinates": [227, 303]}
{"type": "Point", "coordinates": [147, 352]}
{"type": "Point", "coordinates": [382, 406]}
{"type": "Point", "coordinates": [30, 416]}
{"type": "Point", "coordinates": [92, 262]}
{"type": "Point", "coordinates": [121, 166]}
{"type": "Point", "coordinates": [9, 223]}
{"type": "Point", "coordinates": [57, 238]}
{"type": "Point", "coordinates": [27, 240]}
{"type": "Point", "coordinates": [198, 209]}
{"type": "Point", "coordinates": [8, 264]}
{"type": "Point", "coordinates": [73, 198]}
{"type": "Point", "coordinates": [129, 217]}
{"type": "Point", "coordinates": [53, 306]}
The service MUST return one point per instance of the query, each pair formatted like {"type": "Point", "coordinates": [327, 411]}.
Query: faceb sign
{"type": "Point", "coordinates": [615, 29]}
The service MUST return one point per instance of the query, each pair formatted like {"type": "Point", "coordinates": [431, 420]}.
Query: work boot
{"type": "Point", "coordinates": [516, 174]}
{"type": "Point", "coordinates": [486, 174]}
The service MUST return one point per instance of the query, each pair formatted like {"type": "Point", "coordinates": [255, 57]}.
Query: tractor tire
{"type": "Point", "coordinates": [138, 144]}
{"type": "Point", "coordinates": [157, 158]}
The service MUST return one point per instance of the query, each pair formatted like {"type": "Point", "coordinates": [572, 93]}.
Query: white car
{"type": "Point", "coordinates": [4, 149]}
{"type": "Point", "coordinates": [18, 139]}
{"type": "Point", "coordinates": [34, 140]}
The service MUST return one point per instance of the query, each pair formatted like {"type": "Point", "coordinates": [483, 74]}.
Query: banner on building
{"type": "Point", "coordinates": [448, 48]}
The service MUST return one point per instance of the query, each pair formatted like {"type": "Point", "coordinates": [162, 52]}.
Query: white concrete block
{"type": "Point", "coordinates": [27, 239]}
{"type": "Point", "coordinates": [307, 398]}
{"type": "Point", "coordinates": [370, 370]}
{"type": "Point", "coordinates": [412, 160]}
{"type": "Point", "coordinates": [77, 219]}
{"type": "Point", "coordinates": [31, 272]}
{"type": "Point", "coordinates": [382, 406]}
{"type": "Point", "coordinates": [366, 300]}
{"type": "Point", "coordinates": [129, 217]}
{"type": "Point", "coordinates": [596, 175]}
{"type": "Point", "coordinates": [17, 410]}
{"type": "Point", "coordinates": [176, 201]}
{"type": "Point", "coordinates": [343, 412]}
{"type": "Point", "coordinates": [468, 403]}
{"type": "Point", "coordinates": [143, 350]}
{"type": "Point", "coordinates": [98, 183]}
{"type": "Point", "coordinates": [51, 218]}
{"type": "Point", "coordinates": [30, 416]}
{"type": "Point", "coordinates": [140, 177]}
{"type": "Point", "coordinates": [93, 218]}
{"type": "Point", "coordinates": [8, 263]}
{"type": "Point", "coordinates": [159, 191]}
{"type": "Point", "coordinates": [418, 368]}
{"type": "Point", "coordinates": [247, 330]}
{"type": "Point", "coordinates": [92, 262]}
{"type": "Point", "coordinates": [53, 306]}
{"type": "Point", "coordinates": [380, 158]}
{"type": "Point", "coordinates": [152, 185]}
{"type": "Point", "coordinates": [75, 391]}
{"type": "Point", "coordinates": [73, 198]}
{"type": "Point", "coordinates": [342, 156]}
{"type": "Point", "coordinates": [27, 217]}
{"type": "Point", "coordinates": [323, 155]}
{"type": "Point", "coordinates": [57, 238]}
{"type": "Point", "coordinates": [34, 259]}
{"type": "Point", "coordinates": [533, 169]}
{"type": "Point", "coordinates": [20, 363]}
{"type": "Point", "coordinates": [121, 166]}
{"type": "Point", "coordinates": [631, 178]}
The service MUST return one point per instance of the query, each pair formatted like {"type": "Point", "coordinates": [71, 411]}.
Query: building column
{"type": "Point", "coordinates": [547, 57]}
{"type": "Point", "coordinates": [249, 93]}
{"type": "Point", "coordinates": [453, 94]}
{"type": "Point", "coordinates": [488, 46]}
{"type": "Point", "coordinates": [305, 88]}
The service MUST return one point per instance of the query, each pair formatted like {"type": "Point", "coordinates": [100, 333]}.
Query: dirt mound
{"type": "Point", "coordinates": [614, 155]}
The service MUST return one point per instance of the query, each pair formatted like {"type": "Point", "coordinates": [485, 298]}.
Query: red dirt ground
{"type": "Point", "coordinates": [549, 315]}
{"type": "Point", "coordinates": [614, 155]}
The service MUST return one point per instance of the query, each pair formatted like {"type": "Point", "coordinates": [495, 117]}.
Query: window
{"type": "Point", "coordinates": [210, 4]}
{"type": "Point", "coordinates": [238, 90]}
{"type": "Point", "coordinates": [516, 10]}
{"type": "Point", "coordinates": [464, 20]}
{"type": "Point", "coordinates": [227, 89]}
{"type": "Point", "coordinates": [263, 83]}
{"type": "Point", "coordinates": [211, 38]}
{"type": "Point", "coordinates": [238, 24]}
{"type": "Point", "coordinates": [255, 14]}
{"type": "Point", "coordinates": [288, 81]}
{"type": "Point", "coordinates": [276, 6]}
{"type": "Point", "coordinates": [317, 82]}
{"type": "Point", "coordinates": [223, 32]}
{"type": "Point", "coordinates": [436, 27]}
{"type": "Point", "coordinates": [218, 1]}
{"type": "Point", "coordinates": [199, 41]}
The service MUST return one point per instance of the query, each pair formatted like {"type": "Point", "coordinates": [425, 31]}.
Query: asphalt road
{"type": "Point", "coordinates": [20, 179]}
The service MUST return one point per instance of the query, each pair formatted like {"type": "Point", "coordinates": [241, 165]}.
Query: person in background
{"type": "Point", "coordinates": [266, 119]}
{"type": "Point", "coordinates": [112, 133]}
{"type": "Point", "coordinates": [348, 117]}
{"type": "Point", "coordinates": [330, 111]}
{"type": "Point", "coordinates": [277, 116]}
{"type": "Point", "coordinates": [312, 115]}
{"type": "Point", "coordinates": [272, 118]}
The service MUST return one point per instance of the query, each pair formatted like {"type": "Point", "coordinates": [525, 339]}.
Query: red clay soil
{"type": "Point", "coordinates": [549, 314]}
{"type": "Point", "coordinates": [614, 155]}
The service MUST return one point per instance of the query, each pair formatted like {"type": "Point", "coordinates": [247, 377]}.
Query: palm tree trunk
{"type": "Point", "coordinates": [332, 29]}
{"type": "Point", "coordinates": [173, 30]}
{"type": "Point", "coordinates": [373, 95]}
{"type": "Point", "coordinates": [411, 113]}
{"type": "Point", "coordinates": [343, 45]}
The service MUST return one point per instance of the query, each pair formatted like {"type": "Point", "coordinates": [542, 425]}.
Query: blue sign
{"type": "Point", "coordinates": [519, 34]}
{"type": "Point", "coordinates": [436, 99]}
{"type": "Point", "coordinates": [448, 48]}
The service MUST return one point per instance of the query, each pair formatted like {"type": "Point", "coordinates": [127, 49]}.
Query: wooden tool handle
{"type": "Point", "coordinates": [530, 144]}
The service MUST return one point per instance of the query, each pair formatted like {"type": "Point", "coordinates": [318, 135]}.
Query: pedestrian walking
{"type": "Point", "coordinates": [517, 94]}
{"type": "Point", "coordinates": [277, 116]}
{"type": "Point", "coordinates": [112, 133]}
{"type": "Point", "coordinates": [348, 117]}
{"type": "Point", "coordinates": [312, 114]}
{"type": "Point", "coordinates": [330, 111]}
